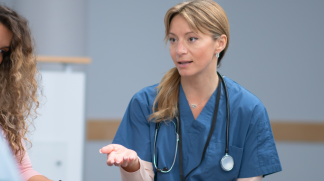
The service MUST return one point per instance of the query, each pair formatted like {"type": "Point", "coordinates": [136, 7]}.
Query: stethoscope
{"type": "Point", "coordinates": [227, 162]}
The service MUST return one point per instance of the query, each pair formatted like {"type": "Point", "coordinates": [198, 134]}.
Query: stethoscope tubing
{"type": "Point", "coordinates": [228, 112]}
{"type": "Point", "coordinates": [178, 124]}
{"type": "Point", "coordinates": [157, 126]}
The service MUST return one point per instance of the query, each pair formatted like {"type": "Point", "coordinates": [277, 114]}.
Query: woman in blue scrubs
{"type": "Point", "coordinates": [190, 101]}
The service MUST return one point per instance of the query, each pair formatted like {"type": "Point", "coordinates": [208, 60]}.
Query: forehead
{"type": "Point", "coordinates": [5, 36]}
{"type": "Point", "coordinates": [179, 25]}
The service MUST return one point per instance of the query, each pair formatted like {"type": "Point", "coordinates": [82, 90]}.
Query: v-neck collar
{"type": "Point", "coordinates": [205, 116]}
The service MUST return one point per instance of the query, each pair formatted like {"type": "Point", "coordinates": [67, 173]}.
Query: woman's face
{"type": "Point", "coordinates": [192, 53]}
{"type": "Point", "coordinates": [5, 40]}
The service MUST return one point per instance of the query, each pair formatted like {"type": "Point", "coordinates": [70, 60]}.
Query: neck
{"type": "Point", "coordinates": [200, 86]}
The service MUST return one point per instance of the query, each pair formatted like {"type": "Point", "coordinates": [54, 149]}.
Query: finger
{"type": "Point", "coordinates": [133, 157]}
{"type": "Point", "coordinates": [119, 159]}
{"type": "Point", "coordinates": [111, 158]}
{"type": "Point", "coordinates": [131, 160]}
{"type": "Point", "coordinates": [107, 149]}
{"type": "Point", "coordinates": [125, 161]}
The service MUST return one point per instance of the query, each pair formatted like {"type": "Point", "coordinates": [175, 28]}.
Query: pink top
{"type": "Point", "coordinates": [26, 168]}
{"type": "Point", "coordinates": [145, 173]}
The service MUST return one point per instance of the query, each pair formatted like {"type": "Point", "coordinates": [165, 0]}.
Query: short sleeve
{"type": "Point", "coordinates": [260, 156]}
{"type": "Point", "coordinates": [133, 131]}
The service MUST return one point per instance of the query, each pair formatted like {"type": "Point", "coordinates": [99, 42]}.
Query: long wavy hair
{"type": "Point", "coordinates": [204, 16]}
{"type": "Point", "coordinates": [18, 82]}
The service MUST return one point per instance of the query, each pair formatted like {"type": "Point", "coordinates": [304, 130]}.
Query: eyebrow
{"type": "Point", "coordinates": [5, 47]}
{"type": "Point", "coordinates": [185, 33]}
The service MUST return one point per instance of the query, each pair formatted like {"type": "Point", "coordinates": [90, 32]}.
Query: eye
{"type": "Point", "coordinates": [3, 53]}
{"type": "Point", "coordinates": [192, 39]}
{"type": "Point", "coordinates": [172, 40]}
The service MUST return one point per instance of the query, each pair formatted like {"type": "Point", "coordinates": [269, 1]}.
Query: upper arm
{"type": "Point", "coordinates": [26, 167]}
{"type": "Point", "coordinates": [260, 155]}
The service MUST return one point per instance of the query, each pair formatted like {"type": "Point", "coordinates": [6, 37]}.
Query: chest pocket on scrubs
{"type": "Point", "coordinates": [214, 154]}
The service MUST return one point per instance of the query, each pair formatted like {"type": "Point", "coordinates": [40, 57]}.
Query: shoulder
{"type": "Point", "coordinates": [145, 96]}
{"type": "Point", "coordinates": [243, 101]}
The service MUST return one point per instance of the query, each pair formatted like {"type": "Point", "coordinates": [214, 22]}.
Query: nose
{"type": "Point", "coordinates": [181, 48]}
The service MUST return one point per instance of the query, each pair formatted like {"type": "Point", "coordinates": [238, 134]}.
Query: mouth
{"type": "Point", "coordinates": [185, 62]}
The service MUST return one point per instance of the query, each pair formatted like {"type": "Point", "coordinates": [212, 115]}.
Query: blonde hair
{"type": "Point", "coordinates": [204, 16]}
{"type": "Point", "coordinates": [18, 82]}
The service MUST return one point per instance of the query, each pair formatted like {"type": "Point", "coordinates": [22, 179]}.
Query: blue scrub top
{"type": "Point", "coordinates": [251, 142]}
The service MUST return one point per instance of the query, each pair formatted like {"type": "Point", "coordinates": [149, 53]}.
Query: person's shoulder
{"type": "Point", "coordinates": [240, 98]}
{"type": "Point", "coordinates": [146, 95]}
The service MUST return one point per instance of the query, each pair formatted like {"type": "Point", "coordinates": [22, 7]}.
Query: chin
{"type": "Point", "coordinates": [186, 73]}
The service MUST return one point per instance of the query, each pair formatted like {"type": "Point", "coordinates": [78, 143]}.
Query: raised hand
{"type": "Point", "coordinates": [118, 155]}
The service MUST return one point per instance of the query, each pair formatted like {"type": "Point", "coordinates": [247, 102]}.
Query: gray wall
{"type": "Point", "coordinates": [275, 52]}
{"type": "Point", "coordinates": [125, 41]}
{"type": "Point", "coordinates": [8, 3]}
{"type": "Point", "coordinates": [59, 27]}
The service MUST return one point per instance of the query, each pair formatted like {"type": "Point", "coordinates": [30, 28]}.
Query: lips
{"type": "Point", "coordinates": [184, 62]}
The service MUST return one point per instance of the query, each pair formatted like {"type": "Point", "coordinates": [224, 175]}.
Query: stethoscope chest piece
{"type": "Point", "coordinates": [227, 163]}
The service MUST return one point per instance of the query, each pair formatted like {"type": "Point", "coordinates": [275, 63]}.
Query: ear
{"type": "Point", "coordinates": [221, 43]}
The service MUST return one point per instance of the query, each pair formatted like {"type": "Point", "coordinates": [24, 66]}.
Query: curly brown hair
{"type": "Point", "coordinates": [18, 82]}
